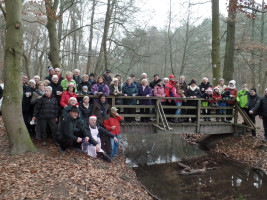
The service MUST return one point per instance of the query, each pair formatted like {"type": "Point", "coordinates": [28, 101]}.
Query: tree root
{"type": "Point", "coordinates": [188, 170]}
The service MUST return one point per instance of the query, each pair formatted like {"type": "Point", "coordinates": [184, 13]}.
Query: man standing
{"type": "Point", "coordinates": [263, 113]}
{"type": "Point", "coordinates": [107, 77]}
{"type": "Point", "coordinates": [204, 85]}
{"type": "Point", "coordinates": [253, 104]}
{"type": "Point", "coordinates": [76, 76]}
{"type": "Point", "coordinates": [46, 111]}
{"type": "Point", "coordinates": [155, 82]}
{"type": "Point", "coordinates": [51, 72]}
{"type": "Point", "coordinates": [58, 73]}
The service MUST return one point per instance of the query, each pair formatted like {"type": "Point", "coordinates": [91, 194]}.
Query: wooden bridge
{"type": "Point", "coordinates": [161, 124]}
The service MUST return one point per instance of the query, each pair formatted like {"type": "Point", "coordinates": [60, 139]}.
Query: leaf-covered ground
{"type": "Point", "coordinates": [242, 148]}
{"type": "Point", "coordinates": [48, 174]}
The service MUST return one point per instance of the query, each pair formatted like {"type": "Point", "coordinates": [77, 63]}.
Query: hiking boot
{"type": "Point", "coordinates": [104, 156]}
{"type": "Point", "coordinates": [61, 150]}
{"type": "Point", "coordinates": [208, 119]}
{"type": "Point", "coordinates": [254, 137]}
{"type": "Point", "coordinates": [44, 143]}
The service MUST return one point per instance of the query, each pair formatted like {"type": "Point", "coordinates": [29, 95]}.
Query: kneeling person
{"type": "Point", "coordinates": [94, 149]}
{"type": "Point", "coordinates": [71, 131]}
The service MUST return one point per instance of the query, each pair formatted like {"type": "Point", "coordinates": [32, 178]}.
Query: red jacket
{"type": "Point", "coordinates": [168, 88]}
{"type": "Point", "coordinates": [233, 92]}
{"type": "Point", "coordinates": [113, 121]}
{"type": "Point", "coordinates": [64, 101]}
{"type": "Point", "coordinates": [215, 96]}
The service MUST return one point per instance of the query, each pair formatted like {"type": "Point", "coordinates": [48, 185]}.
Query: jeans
{"type": "Point", "coordinates": [115, 145]}
{"type": "Point", "coordinates": [178, 111]}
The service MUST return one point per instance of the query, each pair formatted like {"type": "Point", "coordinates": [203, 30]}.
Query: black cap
{"type": "Point", "coordinates": [155, 75]}
{"type": "Point", "coordinates": [132, 75]}
{"type": "Point", "coordinates": [254, 89]}
{"type": "Point", "coordinates": [193, 81]}
{"type": "Point", "coordinates": [92, 74]}
{"type": "Point", "coordinates": [73, 109]}
{"type": "Point", "coordinates": [108, 71]}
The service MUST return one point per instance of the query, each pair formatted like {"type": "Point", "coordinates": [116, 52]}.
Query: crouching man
{"type": "Point", "coordinates": [94, 147]}
{"type": "Point", "coordinates": [71, 131]}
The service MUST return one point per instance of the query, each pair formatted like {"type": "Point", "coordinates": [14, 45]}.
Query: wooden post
{"type": "Point", "coordinates": [113, 101]}
{"type": "Point", "coordinates": [236, 114]}
{"type": "Point", "coordinates": [198, 115]}
{"type": "Point", "coordinates": [157, 111]}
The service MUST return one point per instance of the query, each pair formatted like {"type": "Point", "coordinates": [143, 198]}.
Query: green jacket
{"type": "Point", "coordinates": [242, 98]}
{"type": "Point", "coordinates": [64, 83]}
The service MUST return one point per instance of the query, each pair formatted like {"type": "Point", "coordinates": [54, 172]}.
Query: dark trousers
{"type": "Point", "coordinates": [144, 111]}
{"type": "Point", "coordinates": [129, 111]}
{"type": "Point", "coordinates": [105, 144]}
{"type": "Point", "coordinates": [43, 126]}
{"type": "Point", "coordinates": [264, 120]}
{"type": "Point", "coordinates": [229, 112]}
{"type": "Point", "coordinates": [192, 112]}
{"type": "Point", "coordinates": [252, 117]}
{"type": "Point", "coordinates": [27, 118]}
{"type": "Point", "coordinates": [68, 142]}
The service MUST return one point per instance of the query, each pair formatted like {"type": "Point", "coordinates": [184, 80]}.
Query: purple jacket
{"type": "Point", "coordinates": [147, 91]}
{"type": "Point", "coordinates": [96, 88]}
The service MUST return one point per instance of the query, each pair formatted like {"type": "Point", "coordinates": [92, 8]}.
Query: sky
{"type": "Point", "coordinates": [155, 12]}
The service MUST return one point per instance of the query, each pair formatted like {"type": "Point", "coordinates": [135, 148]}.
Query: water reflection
{"type": "Point", "coordinates": [157, 148]}
{"type": "Point", "coordinates": [229, 181]}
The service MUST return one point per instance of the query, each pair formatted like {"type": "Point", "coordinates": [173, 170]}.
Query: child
{"type": "Point", "coordinates": [233, 94]}
{"type": "Point", "coordinates": [159, 92]}
{"type": "Point", "coordinates": [206, 95]}
{"type": "Point", "coordinates": [214, 102]}
{"type": "Point", "coordinates": [177, 92]}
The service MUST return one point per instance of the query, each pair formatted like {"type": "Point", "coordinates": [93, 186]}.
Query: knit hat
{"type": "Point", "coordinates": [172, 76]}
{"type": "Point", "coordinates": [209, 89]}
{"type": "Point", "coordinates": [193, 81]}
{"type": "Point", "coordinates": [71, 84]}
{"type": "Point", "coordinates": [232, 82]}
{"type": "Point", "coordinates": [92, 117]}
{"type": "Point", "coordinates": [92, 74]}
{"type": "Point", "coordinates": [54, 76]}
{"type": "Point", "coordinates": [72, 98]}
{"type": "Point", "coordinates": [216, 88]}
{"type": "Point", "coordinates": [32, 81]}
{"type": "Point", "coordinates": [49, 68]}
{"type": "Point", "coordinates": [85, 87]}
{"type": "Point", "coordinates": [108, 71]}
{"type": "Point", "coordinates": [144, 74]}
{"type": "Point", "coordinates": [254, 89]}
{"type": "Point", "coordinates": [132, 75]}
{"type": "Point", "coordinates": [205, 78]}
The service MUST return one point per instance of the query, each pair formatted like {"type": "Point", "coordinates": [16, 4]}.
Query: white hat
{"type": "Point", "coordinates": [32, 81]}
{"type": "Point", "coordinates": [54, 76]}
{"type": "Point", "coordinates": [232, 81]}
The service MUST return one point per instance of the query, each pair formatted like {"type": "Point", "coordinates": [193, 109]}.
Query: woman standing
{"type": "Point", "coordinates": [145, 90]}
{"type": "Point", "coordinates": [66, 95]}
{"type": "Point", "coordinates": [100, 87]}
{"type": "Point", "coordinates": [69, 79]}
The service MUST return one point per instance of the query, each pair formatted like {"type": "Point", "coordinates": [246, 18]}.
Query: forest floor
{"type": "Point", "coordinates": [242, 148]}
{"type": "Point", "coordinates": [48, 174]}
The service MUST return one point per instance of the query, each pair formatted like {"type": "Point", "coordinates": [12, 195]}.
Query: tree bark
{"type": "Point", "coordinates": [51, 9]}
{"type": "Point", "coordinates": [19, 139]}
{"type": "Point", "coordinates": [252, 68]}
{"type": "Point", "coordinates": [103, 49]}
{"type": "Point", "coordinates": [215, 54]}
{"type": "Point", "coordinates": [261, 82]}
{"type": "Point", "coordinates": [230, 42]}
{"type": "Point", "coordinates": [90, 66]}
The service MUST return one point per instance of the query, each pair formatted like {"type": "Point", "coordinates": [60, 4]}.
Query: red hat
{"type": "Point", "coordinates": [92, 117]}
{"type": "Point", "coordinates": [172, 76]}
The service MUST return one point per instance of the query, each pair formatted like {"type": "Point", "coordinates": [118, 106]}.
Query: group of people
{"type": "Point", "coordinates": [63, 105]}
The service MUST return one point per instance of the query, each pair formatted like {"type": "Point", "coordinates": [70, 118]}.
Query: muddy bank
{"type": "Point", "coordinates": [51, 175]}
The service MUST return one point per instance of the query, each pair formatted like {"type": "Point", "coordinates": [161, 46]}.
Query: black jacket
{"type": "Point", "coordinates": [263, 107]}
{"type": "Point", "coordinates": [1, 92]}
{"type": "Point", "coordinates": [49, 77]}
{"type": "Point", "coordinates": [26, 101]}
{"type": "Point", "coordinates": [97, 111]}
{"type": "Point", "coordinates": [190, 93]}
{"type": "Point", "coordinates": [102, 132]}
{"type": "Point", "coordinates": [86, 112]}
{"type": "Point", "coordinates": [56, 87]}
{"type": "Point", "coordinates": [68, 126]}
{"type": "Point", "coordinates": [81, 84]}
{"type": "Point", "coordinates": [254, 103]}
{"type": "Point", "coordinates": [108, 79]}
{"type": "Point", "coordinates": [46, 108]}
{"type": "Point", "coordinates": [205, 86]}
{"type": "Point", "coordinates": [154, 83]}
{"type": "Point", "coordinates": [77, 79]}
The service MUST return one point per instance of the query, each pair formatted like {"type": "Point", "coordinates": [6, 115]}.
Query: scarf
{"type": "Point", "coordinates": [231, 87]}
{"type": "Point", "coordinates": [116, 88]}
{"type": "Point", "coordinates": [41, 92]}
{"type": "Point", "coordinates": [103, 109]}
{"type": "Point", "coordinates": [101, 87]}
{"type": "Point", "coordinates": [193, 88]}
{"type": "Point", "coordinates": [69, 79]}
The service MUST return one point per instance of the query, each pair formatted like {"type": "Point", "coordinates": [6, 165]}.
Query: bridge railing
{"type": "Point", "coordinates": [159, 117]}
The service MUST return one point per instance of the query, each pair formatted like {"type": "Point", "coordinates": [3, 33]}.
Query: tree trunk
{"type": "Point", "coordinates": [18, 135]}
{"type": "Point", "coordinates": [262, 85]}
{"type": "Point", "coordinates": [216, 64]}
{"type": "Point", "coordinates": [230, 43]}
{"type": "Point", "coordinates": [170, 37]}
{"type": "Point", "coordinates": [51, 26]}
{"type": "Point", "coordinates": [90, 50]}
{"type": "Point", "coordinates": [252, 68]}
{"type": "Point", "coordinates": [103, 49]}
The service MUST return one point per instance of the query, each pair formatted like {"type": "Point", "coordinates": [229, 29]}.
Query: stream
{"type": "Point", "coordinates": [154, 159]}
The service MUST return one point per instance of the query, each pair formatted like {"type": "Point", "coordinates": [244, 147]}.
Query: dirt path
{"type": "Point", "coordinates": [48, 174]}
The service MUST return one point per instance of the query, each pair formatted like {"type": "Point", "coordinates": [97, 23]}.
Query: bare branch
{"type": "Point", "coordinates": [3, 10]}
